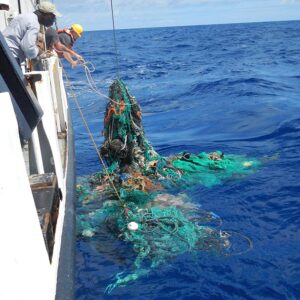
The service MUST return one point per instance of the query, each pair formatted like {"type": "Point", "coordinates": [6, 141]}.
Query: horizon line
{"type": "Point", "coordinates": [212, 24]}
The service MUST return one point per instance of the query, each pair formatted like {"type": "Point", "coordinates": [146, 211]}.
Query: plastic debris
{"type": "Point", "coordinates": [152, 216]}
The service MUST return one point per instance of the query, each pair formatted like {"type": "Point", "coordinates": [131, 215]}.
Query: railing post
{"type": "Point", "coordinates": [37, 151]}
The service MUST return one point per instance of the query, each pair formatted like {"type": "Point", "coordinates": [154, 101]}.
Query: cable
{"type": "Point", "coordinates": [115, 40]}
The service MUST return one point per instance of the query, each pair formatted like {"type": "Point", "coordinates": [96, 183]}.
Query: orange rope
{"type": "Point", "coordinates": [112, 110]}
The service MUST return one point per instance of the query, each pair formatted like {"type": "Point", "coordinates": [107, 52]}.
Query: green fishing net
{"type": "Point", "coordinates": [135, 198]}
{"type": "Point", "coordinates": [157, 232]}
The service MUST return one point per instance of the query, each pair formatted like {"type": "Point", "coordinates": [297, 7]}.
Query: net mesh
{"type": "Point", "coordinates": [157, 222]}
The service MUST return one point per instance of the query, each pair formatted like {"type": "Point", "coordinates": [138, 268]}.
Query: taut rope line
{"type": "Point", "coordinates": [92, 139]}
{"type": "Point", "coordinates": [115, 40]}
{"type": "Point", "coordinates": [88, 69]}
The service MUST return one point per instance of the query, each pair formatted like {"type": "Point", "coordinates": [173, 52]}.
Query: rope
{"type": "Point", "coordinates": [115, 40]}
{"type": "Point", "coordinates": [93, 141]}
{"type": "Point", "coordinates": [90, 68]}
{"type": "Point", "coordinates": [246, 238]}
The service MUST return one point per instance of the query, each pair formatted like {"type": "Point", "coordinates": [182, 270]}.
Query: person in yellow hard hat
{"type": "Point", "coordinates": [62, 42]}
{"type": "Point", "coordinates": [53, 44]}
{"type": "Point", "coordinates": [68, 36]}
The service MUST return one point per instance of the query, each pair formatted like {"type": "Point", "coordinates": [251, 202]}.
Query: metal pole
{"type": "Point", "coordinates": [37, 151]}
{"type": "Point", "coordinates": [19, 6]}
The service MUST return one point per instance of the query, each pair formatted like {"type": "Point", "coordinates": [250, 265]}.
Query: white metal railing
{"type": "Point", "coordinates": [51, 96]}
{"type": "Point", "coordinates": [57, 93]}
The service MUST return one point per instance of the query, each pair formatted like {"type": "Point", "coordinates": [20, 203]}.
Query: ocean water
{"type": "Point", "coordinates": [234, 88]}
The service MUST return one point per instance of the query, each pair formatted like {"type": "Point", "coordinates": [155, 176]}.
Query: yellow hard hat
{"type": "Point", "coordinates": [77, 28]}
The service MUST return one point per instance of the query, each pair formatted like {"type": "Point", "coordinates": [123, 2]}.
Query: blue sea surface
{"type": "Point", "coordinates": [234, 88]}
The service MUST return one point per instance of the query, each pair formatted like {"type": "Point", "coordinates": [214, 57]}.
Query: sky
{"type": "Point", "coordinates": [96, 14]}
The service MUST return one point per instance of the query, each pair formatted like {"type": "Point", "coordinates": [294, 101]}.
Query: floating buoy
{"type": "Point", "coordinates": [88, 232]}
{"type": "Point", "coordinates": [133, 226]}
{"type": "Point", "coordinates": [247, 164]}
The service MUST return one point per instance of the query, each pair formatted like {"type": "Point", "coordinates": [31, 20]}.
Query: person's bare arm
{"type": "Point", "coordinates": [68, 57]}
{"type": "Point", "coordinates": [61, 47]}
{"type": "Point", "coordinates": [73, 53]}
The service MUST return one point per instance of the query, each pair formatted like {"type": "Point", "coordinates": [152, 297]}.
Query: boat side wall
{"type": "Point", "coordinates": [66, 267]}
{"type": "Point", "coordinates": [25, 272]}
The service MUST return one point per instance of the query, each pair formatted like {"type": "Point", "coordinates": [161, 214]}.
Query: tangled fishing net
{"type": "Point", "coordinates": [135, 193]}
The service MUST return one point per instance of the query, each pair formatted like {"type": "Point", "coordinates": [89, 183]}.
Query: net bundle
{"type": "Point", "coordinates": [125, 143]}
{"type": "Point", "coordinates": [158, 223]}
{"type": "Point", "coordinates": [127, 151]}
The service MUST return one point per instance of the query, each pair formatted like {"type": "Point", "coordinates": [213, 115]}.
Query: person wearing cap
{"type": "Point", "coordinates": [22, 32]}
{"type": "Point", "coordinates": [53, 43]}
